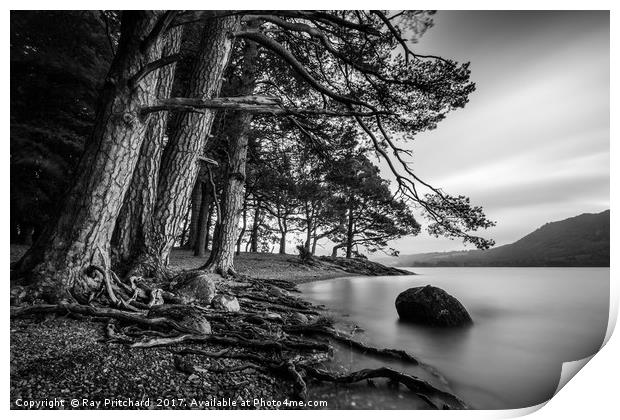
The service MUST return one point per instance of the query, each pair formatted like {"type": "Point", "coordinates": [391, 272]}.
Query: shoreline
{"type": "Point", "coordinates": [61, 357]}
{"type": "Point", "coordinates": [275, 266]}
{"type": "Point", "coordinates": [289, 267]}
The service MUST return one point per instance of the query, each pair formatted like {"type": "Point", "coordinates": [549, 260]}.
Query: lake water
{"type": "Point", "coordinates": [527, 322]}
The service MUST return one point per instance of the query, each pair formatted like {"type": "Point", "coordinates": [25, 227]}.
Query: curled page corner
{"type": "Point", "coordinates": [569, 370]}
{"type": "Point", "coordinates": [519, 412]}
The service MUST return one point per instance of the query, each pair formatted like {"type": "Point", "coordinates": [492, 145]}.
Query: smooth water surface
{"type": "Point", "coordinates": [527, 322]}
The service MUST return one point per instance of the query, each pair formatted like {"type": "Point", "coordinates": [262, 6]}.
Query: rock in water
{"type": "Point", "coordinates": [195, 287]}
{"type": "Point", "coordinates": [225, 303]}
{"type": "Point", "coordinates": [431, 306]}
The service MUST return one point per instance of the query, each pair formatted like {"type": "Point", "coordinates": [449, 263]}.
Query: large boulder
{"type": "Point", "coordinates": [225, 303]}
{"type": "Point", "coordinates": [195, 287]}
{"type": "Point", "coordinates": [430, 305]}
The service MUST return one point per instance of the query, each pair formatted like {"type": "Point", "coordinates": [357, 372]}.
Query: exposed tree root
{"type": "Point", "coordinates": [322, 329]}
{"type": "Point", "coordinates": [275, 307]}
{"type": "Point", "coordinates": [114, 336]}
{"type": "Point", "coordinates": [263, 344]}
{"type": "Point", "coordinates": [99, 313]}
{"type": "Point", "coordinates": [285, 368]}
{"type": "Point", "coordinates": [269, 331]}
{"type": "Point", "coordinates": [414, 384]}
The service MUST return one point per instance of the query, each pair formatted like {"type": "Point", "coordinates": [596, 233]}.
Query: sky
{"type": "Point", "coordinates": [532, 144]}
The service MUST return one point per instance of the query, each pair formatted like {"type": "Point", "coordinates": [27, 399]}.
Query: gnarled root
{"type": "Point", "coordinates": [322, 329]}
{"type": "Point", "coordinates": [269, 328]}
{"type": "Point", "coordinates": [99, 313]}
{"type": "Point", "coordinates": [419, 386]}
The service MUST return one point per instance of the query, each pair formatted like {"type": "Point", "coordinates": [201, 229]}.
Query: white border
{"type": "Point", "coordinates": [592, 395]}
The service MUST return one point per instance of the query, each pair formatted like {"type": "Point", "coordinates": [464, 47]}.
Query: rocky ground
{"type": "Point", "coordinates": [66, 359]}
{"type": "Point", "coordinates": [57, 359]}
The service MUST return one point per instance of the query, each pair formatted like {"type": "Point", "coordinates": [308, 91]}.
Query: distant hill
{"type": "Point", "coordinates": [581, 241]}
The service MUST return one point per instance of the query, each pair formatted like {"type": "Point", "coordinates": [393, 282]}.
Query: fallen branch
{"type": "Point", "coordinates": [250, 104]}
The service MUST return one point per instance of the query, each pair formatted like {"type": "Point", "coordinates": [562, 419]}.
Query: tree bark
{"type": "Point", "coordinates": [185, 230]}
{"type": "Point", "coordinates": [244, 226]}
{"type": "Point", "coordinates": [335, 250]}
{"type": "Point", "coordinates": [134, 219]}
{"type": "Point", "coordinates": [179, 165]}
{"type": "Point", "coordinates": [207, 239]}
{"type": "Point", "coordinates": [203, 220]}
{"type": "Point", "coordinates": [225, 236]}
{"type": "Point", "coordinates": [309, 224]}
{"type": "Point", "coordinates": [350, 233]}
{"type": "Point", "coordinates": [221, 259]}
{"type": "Point", "coordinates": [195, 216]}
{"type": "Point", "coordinates": [282, 249]}
{"type": "Point", "coordinates": [315, 239]}
{"type": "Point", "coordinates": [59, 264]}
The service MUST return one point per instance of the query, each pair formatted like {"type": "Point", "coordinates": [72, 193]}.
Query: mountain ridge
{"type": "Point", "coordinates": [579, 241]}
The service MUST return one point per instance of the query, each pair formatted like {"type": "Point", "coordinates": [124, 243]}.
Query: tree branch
{"type": "Point", "coordinates": [152, 66]}
{"type": "Point", "coordinates": [324, 17]}
{"type": "Point", "coordinates": [251, 104]}
{"type": "Point", "coordinates": [208, 161]}
{"type": "Point", "coordinates": [299, 68]}
{"type": "Point", "coordinates": [160, 27]}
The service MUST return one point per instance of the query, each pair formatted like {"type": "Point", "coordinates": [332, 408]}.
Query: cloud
{"type": "Point", "coordinates": [532, 146]}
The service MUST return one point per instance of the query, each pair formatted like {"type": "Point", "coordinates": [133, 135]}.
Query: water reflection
{"type": "Point", "coordinates": [527, 321]}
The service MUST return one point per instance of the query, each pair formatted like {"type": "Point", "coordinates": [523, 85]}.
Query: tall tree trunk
{"type": "Point", "coordinates": [255, 226]}
{"type": "Point", "coordinates": [190, 130]}
{"type": "Point", "coordinates": [134, 219]}
{"type": "Point", "coordinates": [59, 265]}
{"type": "Point", "coordinates": [309, 220]}
{"type": "Point", "coordinates": [185, 231]}
{"type": "Point", "coordinates": [351, 222]}
{"type": "Point", "coordinates": [282, 249]}
{"type": "Point", "coordinates": [225, 236]}
{"type": "Point", "coordinates": [221, 259]}
{"type": "Point", "coordinates": [335, 250]}
{"type": "Point", "coordinates": [244, 226]}
{"type": "Point", "coordinates": [207, 239]}
{"type": "Point", "coordinates": [315, 239]}
{"type": "Point", "coordinates": [195, 216]}
{"type": "Point", "coordinates": [203, 220]}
